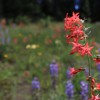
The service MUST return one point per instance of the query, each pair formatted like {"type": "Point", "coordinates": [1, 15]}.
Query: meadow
{"type": "Point", "coordinates": [31, 50]}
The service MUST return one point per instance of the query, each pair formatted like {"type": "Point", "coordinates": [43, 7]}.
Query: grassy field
{"type": "Point", "coordinates": [29, 54]}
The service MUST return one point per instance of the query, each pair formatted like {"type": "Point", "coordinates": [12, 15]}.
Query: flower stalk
{"type": "Point", "coordinates": [75, 26]}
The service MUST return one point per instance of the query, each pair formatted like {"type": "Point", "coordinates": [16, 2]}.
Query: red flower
{"type": "Point", "coordinates": [72, 22]}
{"type": "Point", "coordinates": [86, 50]}
{"type": "Point", "coordinates": [98, 86]}
{"type": "Point", "coordinates": [76, 47]}
{"type": "Point", "coordinates": [77, 32]}
{"type": "Point", "coordinates": [75, 71]}
{"type": "Point", "coordinates": [92, 84]}
{"type": "Point", "coordinates": [95, 97]}
{"type": "Point", "coordinates": [97, 60]}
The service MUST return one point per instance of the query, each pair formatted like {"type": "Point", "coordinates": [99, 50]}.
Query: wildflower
{"type": "Point", "coordinates": [95, 97]}
{"type": "Point", "coordinates": [86, 72]}
{"type": "Point", "coordinates": [5, 56]}
{"type": "Point", "coordinates": [97, 59]}
{"type": "Point", "coordinates": [76, 47]}
{"type": "Point", "coordinates": [72, 22]}
{"type": "Point", "coordinates": [92, 82]}
{"type": "Point", "coordinates": [54, 73]}
{"type": "Point", "coordinates": [69, 90]}
{"type": "Point", "coordinates": [39, 53]}
{"type": "Point", "coordinates": [57, 41]}
{"type": "Point", "coordinates": [97, 86]}
{"type": "Point", "coordinates": [77, 32]}
{"type": "Point", "coordinates": [75, 71]}
{"type": "Point", "coordinates": [26, 73]}
{"type": "Point", "coordinates": [54, 69]}
{"type": "Point", "coordinates": [86, 50]}
{"type": "Point", "coordinates": [98, 67]}
{"type": "Point", "coordinates": [68, 74]}
{"type": "Point", "coordinates": [34, 46]}
{"type": "Point", "coordinates": [28, 46]}
{"type": "Point", "coordinates": [35, 84]}
{"type": "Point", "coordinates": [84, 90]}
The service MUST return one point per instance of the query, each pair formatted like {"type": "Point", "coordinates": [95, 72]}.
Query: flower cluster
{"type": "Point", "coordinates": [69, 90]}
{"type": "Point", "coordinates": [77, 34]}
{"type": "Point", "coordinates": [76, 28]}
{"type": "Point", "coordinates": [84, 90]}
{"type": "Point", "coordinates": [35, 84]}
{"type": "Point", "coordinates": [54, 73]}
{"type": "Point", "coordinates": [54, 69]}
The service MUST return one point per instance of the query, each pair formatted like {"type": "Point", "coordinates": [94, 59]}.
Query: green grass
{"type": "Point", "coordinates": [31, 50]}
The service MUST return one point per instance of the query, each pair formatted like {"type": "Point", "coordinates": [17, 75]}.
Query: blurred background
{"type": "Point", "coordinates": [56, 9]}
{"type": "Point", "coordinates": [34, 55]}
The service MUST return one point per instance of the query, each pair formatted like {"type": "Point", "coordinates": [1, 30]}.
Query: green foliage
{"type": "Point", "coordinates": [23, 19]}
{"type": "Point", "coordinates": [29, 54]}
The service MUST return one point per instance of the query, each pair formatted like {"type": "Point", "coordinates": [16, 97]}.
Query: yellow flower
{"type": "Point", "coordinates": [5, 56]}
{"type": "Point", "coordinates": [39, 53]}
{"type": "Point", "coordinates": [34, 46]}
{"type": "Point", "coordinates": [28, 46]}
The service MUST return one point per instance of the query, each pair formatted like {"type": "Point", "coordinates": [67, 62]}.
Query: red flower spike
{"type": "Point", "coordinates": [75, 71]}
{"type": "Point", "coordinates": [86, 50]}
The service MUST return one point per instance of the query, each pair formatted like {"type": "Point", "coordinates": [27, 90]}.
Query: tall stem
{"type": "Point", "coordinates": [89, 64]}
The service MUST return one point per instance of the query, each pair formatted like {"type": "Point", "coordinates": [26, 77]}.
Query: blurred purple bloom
{"type": "Point", "coordinates": [86, 72]}
{"type": "Point", "coordinates": [69, 90]}
{"type": "Point", "coordinates": [99, 49]}
{"type": "Point", "coordinates": [98, 66]}
{"type": "Point", "coordinates": [35, 84]}
{"type": "Point", "coordinates": [54, 69]}
{"type": "Point", "coordinates": [84, 90]}
{"type": "Point", "coordinates": [68, 74]}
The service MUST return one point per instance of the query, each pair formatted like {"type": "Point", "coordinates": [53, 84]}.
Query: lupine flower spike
{"type": "Point", "coordinates": [84, 90]}
{"type": "Point", "coordinates": [69, 90]}
{"type": "Point", "coordinates": [54, 73]}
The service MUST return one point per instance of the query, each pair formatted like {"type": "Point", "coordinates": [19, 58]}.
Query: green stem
{"type": "Point", "coordinates": [89, 64]}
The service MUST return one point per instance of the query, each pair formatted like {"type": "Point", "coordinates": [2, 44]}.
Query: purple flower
{"type": "Point", "coordinates": [69, 90]}
{"type": "Point", "coordinates": [84, 90]}
{"type": "Point", "coordinates": [99, 49]}
{"type": "Point", "coordinates": [68, 75]}
{"type": "Point", "coordinates": [35, 84]}
{"type": "Point", "coordinates": [54, 69]}
{"type": "Point", "coordinates": [86, 72]}
{"type": "Point", "coordinates": [98, 66]}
